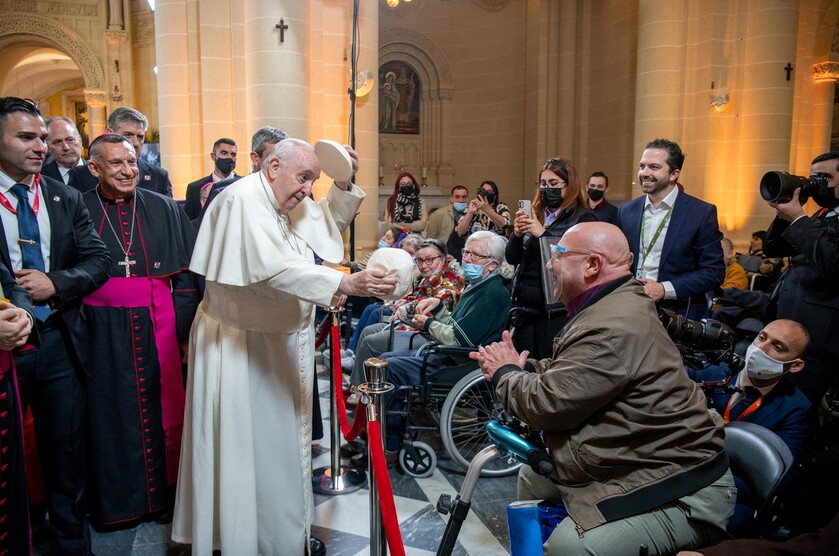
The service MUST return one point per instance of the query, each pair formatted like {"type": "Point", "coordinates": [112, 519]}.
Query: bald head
{"type": "Point", "coordinates": [595, 253]}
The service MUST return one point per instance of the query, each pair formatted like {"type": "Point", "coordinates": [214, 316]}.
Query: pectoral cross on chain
{"type": "Point", "coordinates": [127, 264]}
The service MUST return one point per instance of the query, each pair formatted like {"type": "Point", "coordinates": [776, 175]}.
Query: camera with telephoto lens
{"type": "Point", "coordinates": [701, 344]}
{"type": "Point", "coordinates": [778, 187]}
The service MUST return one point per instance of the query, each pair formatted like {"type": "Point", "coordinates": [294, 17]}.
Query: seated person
{"type": "Point", "coordinates": [638, 457]}
{"type": "Point", "coordinates": [436, 279]}
{"type": "Point", "coordinates": [390, 239]}
{"type": "Point", "coordinates": [735, 275]}
{"type": "Point", "coordinates": [768, 398]}
{"type": "Point", "coordinates": [770, 267]}
{"type": "Point", "coordinates": [478, 318]}
{"type": "Point", "coordinates": [776, 352]}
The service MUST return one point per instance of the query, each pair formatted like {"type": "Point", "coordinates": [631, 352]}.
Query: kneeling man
{"type": "Point", "coordinates": [639, 459]}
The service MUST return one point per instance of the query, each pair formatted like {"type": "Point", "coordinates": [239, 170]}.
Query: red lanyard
{"type": "Point", "coordinates": [749, 410]}
{"type": "Point", "coordinates": [35, 205]}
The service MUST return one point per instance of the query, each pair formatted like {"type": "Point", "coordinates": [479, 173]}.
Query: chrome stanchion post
{"type": "Point", "coordinates": [376, 385]}
{"type": "Point", "coordinates": [335, 479]}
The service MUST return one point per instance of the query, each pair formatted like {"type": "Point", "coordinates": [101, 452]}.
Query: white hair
{"type": "Point", "coordinates": [494, 243]}
{"type": "Point", "coordinates": [284, 150]}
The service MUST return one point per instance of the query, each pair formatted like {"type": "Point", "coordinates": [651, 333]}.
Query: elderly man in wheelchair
{"type": "Point", "coordinates": [477, 319]}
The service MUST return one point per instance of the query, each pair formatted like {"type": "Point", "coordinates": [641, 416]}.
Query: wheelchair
{"type": "Point", "coordinates": [454, 401]}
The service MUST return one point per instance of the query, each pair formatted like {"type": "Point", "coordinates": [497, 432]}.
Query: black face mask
{"type": "Point", "coordinates": [225, 165]}
{"type": "Point", "coordinates": [406, 190]}
{"type": "Point", "coordinates": [489, 196]}
{"type": "Point", "coordinates": [595, 194]}
{"type": "Point", "coordinates": [551, 198]}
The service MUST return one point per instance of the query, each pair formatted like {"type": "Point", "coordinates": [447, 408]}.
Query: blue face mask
{"type": "Point", "coordinates": [460, 207]}
{"type": "Point", "coordinates": [472, 272]}
{"type": "Point", "coordinates": [383, 244]}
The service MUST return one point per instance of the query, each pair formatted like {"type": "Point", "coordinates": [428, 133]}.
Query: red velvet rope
{"type": "Point", "coordinates": [350, 434]}
{"type": "Point", "coordinates": [386, 503]}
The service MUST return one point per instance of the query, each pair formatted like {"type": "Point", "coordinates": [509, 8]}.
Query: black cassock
{"type": "Point", "coordinates": [135, 393]}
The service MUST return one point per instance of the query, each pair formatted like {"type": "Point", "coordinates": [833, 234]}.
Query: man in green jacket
{"type": "Point", "coordinates": [639, 459]}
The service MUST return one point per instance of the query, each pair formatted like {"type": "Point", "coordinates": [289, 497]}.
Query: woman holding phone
{"type": "Point", "coordinates": [557, 205]}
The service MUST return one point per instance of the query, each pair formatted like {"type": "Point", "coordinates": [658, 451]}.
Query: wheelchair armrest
{"type": "Point", "coordinates": [456, 350]}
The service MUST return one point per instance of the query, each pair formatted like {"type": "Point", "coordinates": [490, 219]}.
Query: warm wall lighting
{"type": "Point", "coordinates": [392, 3]}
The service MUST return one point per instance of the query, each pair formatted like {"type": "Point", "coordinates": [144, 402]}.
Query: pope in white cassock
{"type": "Point", "coordinates": [244, 484]}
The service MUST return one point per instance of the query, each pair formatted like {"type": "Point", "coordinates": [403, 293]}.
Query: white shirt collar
{"type": "Point", "coordinates": [667, 202]}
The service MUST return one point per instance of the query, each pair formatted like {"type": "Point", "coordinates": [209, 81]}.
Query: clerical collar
{"type": "Point", "coordinates": [112, 199]}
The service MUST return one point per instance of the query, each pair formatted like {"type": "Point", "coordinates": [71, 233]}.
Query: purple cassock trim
{"type": "Point", "coordinates": [7, 366]}
{"type": "Point", "coordinates": [156, 295]}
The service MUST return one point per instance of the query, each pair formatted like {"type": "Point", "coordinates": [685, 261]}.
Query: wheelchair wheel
{"type": "Point", "coordinates": [420, 463]}
{"type": "Point", "coordinates": [470, 405]}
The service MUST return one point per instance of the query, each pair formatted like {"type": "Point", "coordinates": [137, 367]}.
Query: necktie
{"type": "Point", "coordinates": [750, 396]}
{"type": "Point", "coordinates": [29, 240]}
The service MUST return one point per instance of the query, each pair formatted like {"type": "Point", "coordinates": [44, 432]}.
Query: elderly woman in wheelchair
{"type": "Point", "coordinates": [436, 280]}
{"type": "Point", "coordinates": [477, 319]}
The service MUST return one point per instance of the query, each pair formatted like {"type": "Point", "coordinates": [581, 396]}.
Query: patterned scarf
{"type": "Point", "coordinates": [407, 208]}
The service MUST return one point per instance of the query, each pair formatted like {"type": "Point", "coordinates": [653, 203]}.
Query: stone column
{"type": "Point", "coordinates": [96, 116]}
{"type": "Point", "coordinates": [766, 107]}
{"type": "Point", "coordinates": [367, 130]}
{"type": "Point", "coordinates": [172, 26]}
{"type": "Point", "coordinates": [659, 90]}
{"type": "Point", "coordinates": [277, 71]}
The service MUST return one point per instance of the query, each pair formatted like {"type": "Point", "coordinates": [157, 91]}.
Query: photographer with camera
{"type": "Point", "coordinates": [485, 212]}
{"type": "Point", "coordinates": [808, 292]}
{"type": "Point", "coordinates": [638, 457]}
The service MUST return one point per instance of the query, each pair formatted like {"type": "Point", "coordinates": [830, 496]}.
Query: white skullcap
{"type": "Point", "coordinates": [398, 264]}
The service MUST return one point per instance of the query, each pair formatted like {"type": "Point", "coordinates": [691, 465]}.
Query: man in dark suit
{"type": "Point", "coordinates": [224, 160]}
{"type": "Point", "coordinates": [808, 291]}
{"type": "Point", "coordinates": [57, 273]}
{"type": "Point", "coordinates": [65, 147]}
{"type": "Point", "coordinates": [132, 125]}
{"type": "Point", "coordinates": [598, 185]}
{"type": "Point", "coordinates": [674, 237]}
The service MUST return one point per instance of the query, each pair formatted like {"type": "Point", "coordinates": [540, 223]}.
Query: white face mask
{"type": "Point", "coordinates": [761, 366]}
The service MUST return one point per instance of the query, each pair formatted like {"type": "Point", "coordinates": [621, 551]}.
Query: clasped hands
{"type": "Point", "coordinates": [496, 355]}
{"type": "Point", "coordinates": [15, 326]}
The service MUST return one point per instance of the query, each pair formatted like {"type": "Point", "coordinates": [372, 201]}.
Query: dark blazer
{"type": "Point", "coordinates": [50, 169]}
{"type": "Point", "coordinates": [785, 410]}
{"type": "Point", "coordinates": [691, 257]}
{"type": "Point", "coordinates": [79, 260]}
{"type": "Point", "coordinates": [606, 212]}
{"type": "Point", "coordinates": [16, 295]}
{"type": "Point", "coordinates": [151, 178]}
{"type": "Point", "coordinates": [808, 292]}
{"type": "Point", "coordinates": [192, 206]}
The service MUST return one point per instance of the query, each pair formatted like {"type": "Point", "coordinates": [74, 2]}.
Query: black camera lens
{"type": "Point", "coordinates": [778, 187]}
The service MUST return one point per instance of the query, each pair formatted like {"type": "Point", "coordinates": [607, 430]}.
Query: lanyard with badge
{"type": "Point", "coordinates": [639, 271]}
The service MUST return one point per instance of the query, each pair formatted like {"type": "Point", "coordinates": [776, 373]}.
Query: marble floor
{"type": "Point", "coordinates": [342, 522]}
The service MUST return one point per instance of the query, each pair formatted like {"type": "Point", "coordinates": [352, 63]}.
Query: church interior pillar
{"type": "Point", "coordinates": [660, 78]}
{"type": "Point", "coordinates": [367, 130]}
{"type": "Point", "coordinates": [173, 61]}
{"type": "Point", "coordinates": [96, 116]}
{"type": "Point", "coordinates": [276, 57]}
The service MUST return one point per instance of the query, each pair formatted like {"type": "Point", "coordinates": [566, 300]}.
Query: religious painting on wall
{"type": "Point", "coordinates": [399, 99]}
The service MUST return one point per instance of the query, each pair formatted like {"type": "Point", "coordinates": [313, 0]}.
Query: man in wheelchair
{"type": "Point", "coordinates": [477, 319]}
{"type": "Point", "coordinates": [639, 460]}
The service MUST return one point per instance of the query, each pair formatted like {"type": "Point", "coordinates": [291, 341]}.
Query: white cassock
{"type": "Point", "coordinates": [244, 485]}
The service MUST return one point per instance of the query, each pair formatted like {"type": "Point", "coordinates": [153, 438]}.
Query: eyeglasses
{"type": "Point", "coordinates": [429, 260]}
{"type": "Point", "coordinates": [473, 256]}
{"type": "Point", "coordinates": [406, 183]}
{"type": "Point", "coordinates": [561, 252]}
{"type": "Point", "coordinates": [552, 184]}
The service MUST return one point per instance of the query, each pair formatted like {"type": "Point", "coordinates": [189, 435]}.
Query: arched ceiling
{"type": "Point", "coordinates": [32, 71]}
